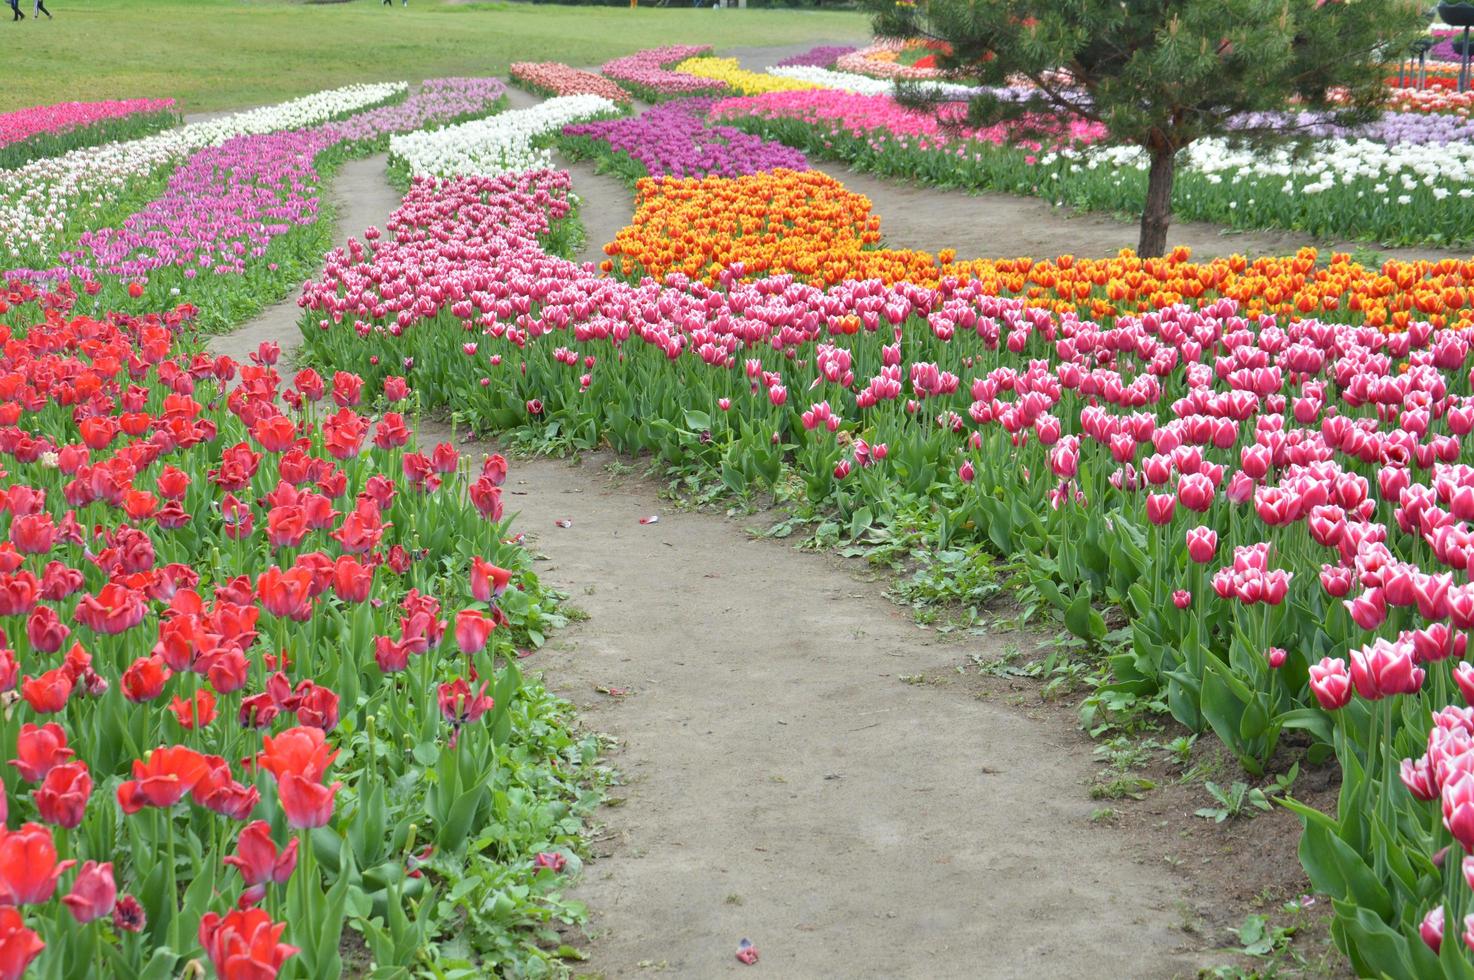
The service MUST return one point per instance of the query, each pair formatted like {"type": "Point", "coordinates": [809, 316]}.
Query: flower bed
{"type": "Point", "coordinates": [45, 201]}
{"type": "Point", "coordinates": [883, 60]}
{"type": "Point", "coordinates": [43, 131]}
{"type": "Point", "coordinates": [183, 563]}
{"type": "Point", "coordinates": [646, 74]}
{"type": "Point", "coordinates": [502, 144]}
{"type": "Point", "coordinates": [671, 140]}
{"type": "Point", "coordinates": [823, 56]}
{"type": "Point", "coordinates": [224, 210]}
{"type": "Point", "coordinates": [551, 78]}
{"type": "Point", "coordinates": [737, 79]}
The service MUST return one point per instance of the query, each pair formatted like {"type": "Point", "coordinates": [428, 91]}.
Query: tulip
{"type": "Point", "coordinates": [487, 580]}
{"type": "Point", "coordinates": [473, 628]}
{"type": "Point", "coordinates": [307, 804]}
{"type": "Point", "coordinates": [145, 678]}
{"type": "Point", "coordinates": [1182, 598]}
{"type": "Point", "coordinates": [459, 706]}
{"type": "Point", "coordinates": [1385, 668]}
{"type": "Point", "coordinates": [1330, 682]}
{"type": "Point", "coordinates": [1367, 610]}
{"type": "Point", "coordinates": [244, 944]}
{"type": "Point", "coordinates": [1458, 808]}
{"type": "Point", "coordinates": [1160, 507]}
{"type": "Point", "coordinates": [258, 859]}
{"type": "Point", "coordinates": [302, 750]}
{"type": "Point", "coordinates": [1417, 776]}
{"type": "Point", "coordinates": [1202, 544]}
{"type": "Point", "coordinates": [48, 693]}
{"type": "Point", "coordinates": [1431, 928]}
{"type": "Point", "coordinates": [1336, 580]}
{"type": "Point", "coordinates": [18, 945]}
{"type": "Point", "coordinates": [163, 779]}
{"type": "Point", "coordinates": [62, 796]}
{"type": "Point", "coordinates": [1275, 656]}
{"type": "Point", "coordinates": [94, 893]}
{"type": "Point", "coordinates": [28, 866]}
{"type": "Point", "coordinates": [128, 915]}
{"type": "Point", "coordinates": [39, 749]}
{"type": "Point", "coordinates": [195, 712]}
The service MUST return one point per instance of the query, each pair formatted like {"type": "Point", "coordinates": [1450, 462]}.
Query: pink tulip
{"type": "Point", "coordinates": [1431, 928]}
{"type": "Point", "coordinates": [1385, 668]}
{"type": "Point", "coordinates": [1202, 544]}
{"type": "Point", "coordinates": [1160, 507]}
{"type": "Point", "coordinates": [1458, 808]}
{"type": "Point", "coordinates": [1330, 682]}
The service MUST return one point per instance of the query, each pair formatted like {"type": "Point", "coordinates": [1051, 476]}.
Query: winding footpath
{"type": "Point", "coordinates": [779, 782]}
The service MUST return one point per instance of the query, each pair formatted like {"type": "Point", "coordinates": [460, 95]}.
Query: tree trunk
{"type": "Point", "coordinates": [1157, 215]}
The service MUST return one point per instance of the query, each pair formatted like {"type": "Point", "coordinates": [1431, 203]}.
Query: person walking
{"type": "Point", "coordinates": [15, 9]}
{"type": "Point", "coordinates": [40, 9]}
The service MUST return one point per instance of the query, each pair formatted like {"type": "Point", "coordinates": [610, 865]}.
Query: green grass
{"type": "Point", "coordinates": [220, 54]}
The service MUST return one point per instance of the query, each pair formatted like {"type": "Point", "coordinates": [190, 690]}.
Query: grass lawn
{"type": "Point", "coordinates": [219, 54]}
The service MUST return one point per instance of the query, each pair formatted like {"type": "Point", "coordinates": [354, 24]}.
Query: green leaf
{"type": "Point", "coordinates": [1082, 620]}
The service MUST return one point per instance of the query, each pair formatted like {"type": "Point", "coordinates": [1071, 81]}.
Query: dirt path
{"type": "Point", "coordinates": [783, 784]}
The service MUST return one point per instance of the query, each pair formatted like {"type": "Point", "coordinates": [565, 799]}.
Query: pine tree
{"type": "Point", "coordinates": [1161, 74]}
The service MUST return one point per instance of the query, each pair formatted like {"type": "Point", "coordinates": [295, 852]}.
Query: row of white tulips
{"type": "Point", "coordinates": [43, 199]}
{"type": "Point", "coordinates": [501, 144]}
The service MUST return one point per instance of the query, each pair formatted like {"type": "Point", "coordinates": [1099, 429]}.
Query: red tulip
{"type": "Point", "coordinates": [48, 693]}
{"type": "Point", "coordinates": [258, 860]}
{"type": "Point", "coordinates": [163, 780]}
{"type": "Point", "coordinates": [62, 796]}
{"type": "Point", "coordinates": [459, 706]}
{"type": "Point", "coordinates": [286, 526]}
{"type": "Point", "coordinates": [305, 802]}
{"type": "Point", "coordinates": [1385, 668]}
{"type": "Point", "coordinates": [1431, 928]}
{"type": "Point", "coordinates": [287, 595]}
{"type": "Point", "coordinates": [39, 749]}
{"type": "Point", "coordinates": [317, 706]}
{"type": "Point", "coordinates": [144, 679]}
{"type": "Point", "coordinates": [343, 433]}
{"type": "Point", "coordinates": [33, 534]}
{"type": "Point", "coordinates": [494, 468]}
{"type": "Point", "coordinates": [128, 916]}
{"type": "Point", "coordinates": [195, 712]}
{"type": "Point", "coordinates": [1368, 610]}
{"type": "Point", "coordinates": [487, 580]}
{"type": "Point", "coordinates": [1195, 492]}
{"type": "Point", "coordinates": [18, 945]}
{"type": "Point", "coordinates": [391, 655]}
{"type": "Point", "coordinates": [45, 630]}
{"type": "Point", "coordinates": [28, 866]}
{"type": "Point", "coordinates": [301, 750]}
{"type": "Point", "coordinates": [473, 628]}
{"type": "Point", "coordinates": [94, 893]}
{"type": "Point", "coordinates": [243, 945]}
{"type": "Point", "coordinates": [115, 609]}
{"type": "Point", "coordinates": [352, 580]}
